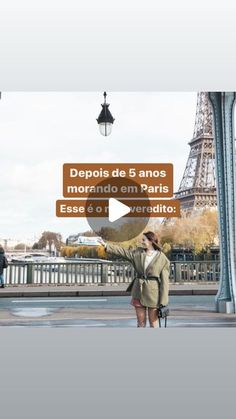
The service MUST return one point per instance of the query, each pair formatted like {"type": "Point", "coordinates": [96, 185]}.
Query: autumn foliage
{"type": "Point", "coordinates": [97, 252]}
{"type": "Point", "coordinates": [196, 232]}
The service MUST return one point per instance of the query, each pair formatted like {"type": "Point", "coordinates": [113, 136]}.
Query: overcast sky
{"type": "Point", "coordinates": [41, 131]}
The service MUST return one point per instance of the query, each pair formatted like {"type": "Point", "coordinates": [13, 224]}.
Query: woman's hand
{"type": "Point", "coordinates": [101, 241]}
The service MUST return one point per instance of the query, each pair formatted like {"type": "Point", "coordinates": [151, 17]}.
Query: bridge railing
{"type": "Point", "coordinates": [83, 273]}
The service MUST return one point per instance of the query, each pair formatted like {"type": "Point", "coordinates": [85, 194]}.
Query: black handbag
{"type": "Point", "coordinates": [163, 312]}
{"type": "Point", "coordinates": [5, 263]}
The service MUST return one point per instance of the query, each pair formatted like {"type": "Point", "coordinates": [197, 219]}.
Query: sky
{"type": "Point", "coordinates": [41, 131]}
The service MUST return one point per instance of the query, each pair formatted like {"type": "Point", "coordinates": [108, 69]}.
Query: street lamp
{"type": "Point", "coordinates": [53, 248]}
{"type": "Point", "coordinates": [48, 247]}
{"type": "Point", "coordinates": [105, 119]}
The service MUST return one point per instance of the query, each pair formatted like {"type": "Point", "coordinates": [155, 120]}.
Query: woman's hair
{"type": "Point", "coordinates": [152, 237]}
{"type": "Point", "coordinates": [1, 249]}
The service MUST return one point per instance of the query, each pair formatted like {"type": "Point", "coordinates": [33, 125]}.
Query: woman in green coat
{"type": "Point", "coordinates": [150, 287]}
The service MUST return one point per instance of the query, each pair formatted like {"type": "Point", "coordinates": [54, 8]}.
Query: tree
{"type": "Point", "coordinates": [21, 246]}
{"type": "Point", "coordinates": [196, 232]}
{"type": "Point", "coordinates": [49, 237]}
{"type": "Point", "coordinates": [88, 233]}
{"type": "Point", "coordinates": [84, 252]}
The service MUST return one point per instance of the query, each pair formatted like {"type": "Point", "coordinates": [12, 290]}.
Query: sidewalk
{"type": "Point", "coordinates": [97, 290]}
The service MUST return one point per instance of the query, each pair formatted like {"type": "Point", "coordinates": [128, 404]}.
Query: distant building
{"type": "Point", "coordinates": [180, 253]}
{"type": "Point", "coordinates": [78, 240]}
{"type": "Point", "coordinates": [9, 244]}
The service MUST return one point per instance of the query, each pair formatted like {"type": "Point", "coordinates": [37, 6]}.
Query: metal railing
{"type": "Point", "coordinates": [85, 273]}
{"type": "Point", "coordinates": [195, 271]}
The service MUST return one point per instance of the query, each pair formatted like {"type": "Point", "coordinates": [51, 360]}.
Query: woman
{"type": "Point", "coordinates": [150, 287]}
{"type": "Point", "coordinates": [3, 265]}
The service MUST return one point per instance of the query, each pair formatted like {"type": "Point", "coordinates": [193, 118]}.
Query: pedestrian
{"type": "Point", "coordinates": [150, 286]}
{"type": "Point", "coordinates": [3, 265]}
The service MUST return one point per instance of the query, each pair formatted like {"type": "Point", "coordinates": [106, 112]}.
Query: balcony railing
{"type": "Point", "coordinates": [85, 273]}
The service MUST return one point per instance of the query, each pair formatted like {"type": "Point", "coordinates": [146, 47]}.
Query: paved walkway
{"type": "Point", "coordinates": [98, 290]}
{"type": "Point", "coordinates": [185, 311]}
{"type": "Point", "coordinates": [192, 305]}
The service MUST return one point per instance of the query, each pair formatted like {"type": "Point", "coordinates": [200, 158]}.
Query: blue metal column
{"type": "Point", "coordinates": [223, 106]}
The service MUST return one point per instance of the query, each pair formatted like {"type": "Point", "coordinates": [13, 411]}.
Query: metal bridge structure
{"type": "Point", "coordinates": [224, 143]}
{"type": "Point", "coordinates": [209, 181]}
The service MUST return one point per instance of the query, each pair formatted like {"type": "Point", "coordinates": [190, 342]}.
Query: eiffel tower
{"type": "Point", "coordinates": [197, 189]}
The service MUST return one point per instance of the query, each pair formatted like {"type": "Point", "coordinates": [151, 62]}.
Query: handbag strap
{"type": "Point", "coordinates": [159, 318]}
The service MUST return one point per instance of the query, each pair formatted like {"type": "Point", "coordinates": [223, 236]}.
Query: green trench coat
{"type": "Point", "coordinates": [151, 293]}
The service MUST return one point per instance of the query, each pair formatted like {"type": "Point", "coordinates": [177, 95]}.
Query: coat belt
{"type": "Point", "coordinates": [156, 278]}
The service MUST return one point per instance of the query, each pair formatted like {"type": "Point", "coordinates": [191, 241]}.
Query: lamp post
{"type": "Point", "coordinates": [53, 248]}
{"type": "Point", "coordinates": [48, 248]}
{"type": "Point", "coordinates": [105, 119]}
